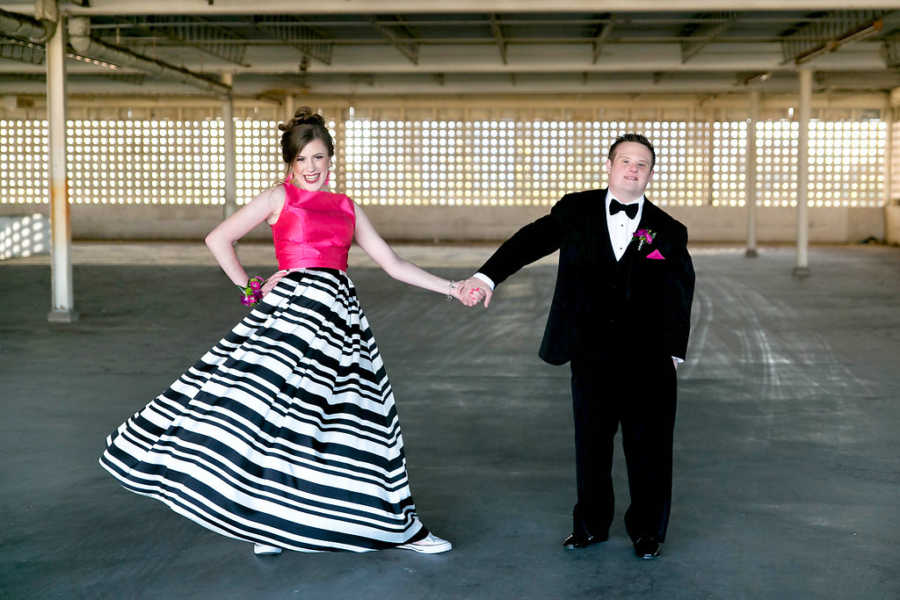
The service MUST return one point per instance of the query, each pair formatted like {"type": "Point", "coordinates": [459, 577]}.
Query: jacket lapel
{"type": "Point", "coordinates": [632, 255]}
{"type": "Point", "coordinates": [649, 220]}
{"type": "Point", "coordinates": [605, 243]}
{"type": "Point", "coordinates": [592, 232]}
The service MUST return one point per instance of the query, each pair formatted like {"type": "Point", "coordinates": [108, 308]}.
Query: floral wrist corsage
{"type": "Point", "coordinates": [252, 292]}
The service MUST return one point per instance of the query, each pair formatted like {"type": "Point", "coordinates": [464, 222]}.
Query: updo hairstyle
{"type": "Point", "coordinates": [303, 128]}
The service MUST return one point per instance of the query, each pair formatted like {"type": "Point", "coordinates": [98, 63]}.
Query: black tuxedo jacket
{"type": "Point", "coordinates": [602, 307]}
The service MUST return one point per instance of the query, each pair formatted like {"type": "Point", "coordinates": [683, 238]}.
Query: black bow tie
{"type": "Point", "coordinates": [630, 209]}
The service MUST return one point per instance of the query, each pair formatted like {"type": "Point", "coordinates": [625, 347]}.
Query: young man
{"type": "Point", "coordinates": [621, 316]}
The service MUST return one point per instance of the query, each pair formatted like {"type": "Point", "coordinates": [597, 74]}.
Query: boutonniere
{"type": "Point", "coordinates": [644, 235]}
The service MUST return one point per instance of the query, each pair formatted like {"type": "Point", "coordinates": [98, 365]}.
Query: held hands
{"type": "Point", "coordinates": [475, 290]}
{"type": "Point", "coordinates": [456, 291]}
{"type": "Point", "coordinates": [466, 293]}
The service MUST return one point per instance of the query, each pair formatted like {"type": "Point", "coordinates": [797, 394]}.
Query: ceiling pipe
{"type": "Point", "coordinates": [835, 44]}
{"type": "Point", "coordinates": [82, 42]}
{"type": "Point", "coordinates": [25, 28]}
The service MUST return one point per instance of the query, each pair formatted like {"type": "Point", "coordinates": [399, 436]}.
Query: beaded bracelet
{"type": "Point", "coordinates": [452, 288]}
{"type": "Point", "coordinates": [252, 292]}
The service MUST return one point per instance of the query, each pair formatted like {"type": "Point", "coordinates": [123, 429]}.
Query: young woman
{"type": "Point", "coordinates": [285, 434]}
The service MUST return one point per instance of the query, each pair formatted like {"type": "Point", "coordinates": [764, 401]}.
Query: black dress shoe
{"type": "Point", "coordinates": [578, 540]}
{"type": "Point", "coordinates": [647, 548]}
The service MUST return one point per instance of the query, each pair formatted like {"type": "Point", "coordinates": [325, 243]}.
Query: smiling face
{"type": "Point", "coordinates": [630, 170]}
{"type": "Point", "coordinates": [310, 167]}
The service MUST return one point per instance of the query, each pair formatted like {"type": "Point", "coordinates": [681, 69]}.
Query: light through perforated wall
{"type": "Point", "coordinates": [447, 162]}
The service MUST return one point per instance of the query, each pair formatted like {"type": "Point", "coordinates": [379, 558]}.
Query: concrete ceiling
{"type": "Point", "coordinates": [460, 46]}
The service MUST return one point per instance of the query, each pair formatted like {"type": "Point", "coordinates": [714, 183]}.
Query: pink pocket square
{"type": "Point", "coordinates": [656, 255]}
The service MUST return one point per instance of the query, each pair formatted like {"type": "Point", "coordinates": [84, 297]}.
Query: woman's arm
{"type": "Point", "coordinates": [398, 268]}
{"type": "Point", "coordinates": [220, 240]}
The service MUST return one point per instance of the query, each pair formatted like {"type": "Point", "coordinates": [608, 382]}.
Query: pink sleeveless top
{"type": "Point", "coordinates": [314, 229]}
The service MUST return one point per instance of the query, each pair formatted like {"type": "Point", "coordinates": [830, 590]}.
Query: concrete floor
{"type": "Point", "coordinates": [787, 480]}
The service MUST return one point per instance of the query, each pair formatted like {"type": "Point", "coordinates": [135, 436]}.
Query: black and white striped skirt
{"type": "Point", "coordinates": [285, 433]}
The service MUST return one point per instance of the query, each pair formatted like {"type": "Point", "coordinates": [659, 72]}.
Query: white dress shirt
{"type": "Point", "coordinates": [621, 228]}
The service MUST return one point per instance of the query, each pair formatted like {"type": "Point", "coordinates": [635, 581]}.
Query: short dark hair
{"type": "Point", "coordinates": [305, 127]}
{"type": "Point", "coordinates": [633, 137]}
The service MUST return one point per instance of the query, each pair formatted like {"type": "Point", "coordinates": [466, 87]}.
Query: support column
{"type": "Point", "coordinates": [339, 182]}
{"type": "Point", "coordinates": [750, 176]}
{"type": "Point", "coordinates": [710, 173]}
{"type": "Point", "coordinates": [802, 267]}
{"type": "Point", "coordinates": [228, 149]}
{"type": "Point", "coordinates": [888, 152]}
{"type": "Point", "coordinates": [289, 107]}
{"type": "Point", "coordinates": [892, 153]}
{"type": "Point", "coordinates": [62, 290]}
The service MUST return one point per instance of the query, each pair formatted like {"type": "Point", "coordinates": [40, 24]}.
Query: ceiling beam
{"type": "Point", "coordinates": [292, 7]}
{"type": "Point", "coordinates": [311, 42]}
{"type": "Point", "coordinates": [497, 32]}
{"type": "Point", "coordinates": [600, 38]}
{"type": "Point", "coordinates": [545, 59]}
{"type": "Point", "coordinates": [631, 40]}
{"type": "Point", "coordinates": [605, 99]}
{"type": "Point", "coordinates": [706, 35]}
{"type": "Point", "coordinates": [399, 87]}
{"type": "Point", "coordinates": [91, 49]}
{"type": "Point", "coordinates": [445, 20]}
{"type": "Point", "coordinates": [407, 47]}
{"type": "Point", "coordinates": [892, 53]}
{"type": "Point", "coordinates": [214, 40]}
{"type": "Point", "coordinates": [22, 26]}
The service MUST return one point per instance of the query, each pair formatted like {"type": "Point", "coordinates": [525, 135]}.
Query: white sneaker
{"type": "Point", "coordinates": [265, 549]}
{"type": "Point", "coordinates": [430, 544]}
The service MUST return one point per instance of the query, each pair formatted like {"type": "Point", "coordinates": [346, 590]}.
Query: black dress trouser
{"type": "Point", "coordinates": [638, 393]}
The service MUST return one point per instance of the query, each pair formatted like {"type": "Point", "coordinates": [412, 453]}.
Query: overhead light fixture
{"type": "Point", "coordinates": [833, 45]}
{"type": "Point", "coordinates": [93, 61]}
{"type": "Point", "coordinates": [762, 76]}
